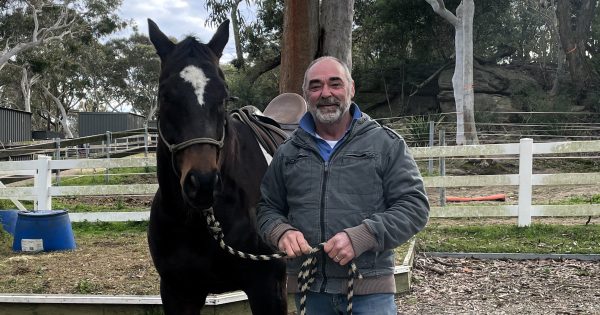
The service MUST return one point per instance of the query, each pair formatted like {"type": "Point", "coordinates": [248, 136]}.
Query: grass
{"type": "Point", "coordinates": [504, 238]}
{"type": "Point", "coordinates": [496, 238]}
{"type": "Point", "coordinates": [115, 204]}
{"type": "Point", "coordinates": [116, 176]}
{"type": "Point", "coordinates": [107, 228]}
{"type": "Point", "coordinates": [578, 200]}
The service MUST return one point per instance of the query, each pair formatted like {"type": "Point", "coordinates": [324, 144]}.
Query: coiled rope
{"type": "Point", "coordinates": [306, 276]}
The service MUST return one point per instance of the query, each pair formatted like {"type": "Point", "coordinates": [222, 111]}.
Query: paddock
{"type": "Point", "coordinates": [523, 211]}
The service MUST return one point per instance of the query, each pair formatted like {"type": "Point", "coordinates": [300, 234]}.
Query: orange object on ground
{"type": "Point", "coordinates": [496, 197]}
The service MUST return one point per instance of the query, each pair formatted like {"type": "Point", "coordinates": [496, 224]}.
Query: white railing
{"type": "Point", "coordinates": [43, 191]}
{"type": "Point", "coordinates": [525, 150]}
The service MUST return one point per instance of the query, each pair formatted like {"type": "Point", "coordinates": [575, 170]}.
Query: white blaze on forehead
{"type": "Point", "coordinates": [195, 76]}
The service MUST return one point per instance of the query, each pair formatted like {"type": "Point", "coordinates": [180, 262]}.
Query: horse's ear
{"type": "Point", "coordinates": [160, 41]}
{"type": "Point", "coordinates": [219, 40]}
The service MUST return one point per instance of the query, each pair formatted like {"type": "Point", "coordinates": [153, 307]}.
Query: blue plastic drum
{"type": "Point", "coordinates": [8, 218]}
{"type": "Point", "coordinates": [43, 230]}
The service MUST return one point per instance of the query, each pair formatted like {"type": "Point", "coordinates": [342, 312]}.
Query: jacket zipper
{"type": "Point", "coordinates": [323, 190]}
{"type": "Point", "coordinates": [322, 219]}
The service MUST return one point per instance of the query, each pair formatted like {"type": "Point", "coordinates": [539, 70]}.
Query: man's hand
{"type": "Point", "coordinates": [339, 248]}
{"type": "Point", "coordinates": [292, 242]}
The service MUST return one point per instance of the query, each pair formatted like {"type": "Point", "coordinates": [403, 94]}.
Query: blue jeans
{"type": "Point", "coordinates": [336, 304]}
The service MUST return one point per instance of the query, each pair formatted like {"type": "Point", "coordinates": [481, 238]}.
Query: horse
{"type": "Point", "coordinates": [206, 160]}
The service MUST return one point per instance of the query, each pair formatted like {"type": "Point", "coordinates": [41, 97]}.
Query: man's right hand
{"type": "Point", "coordinates": [292, 242]}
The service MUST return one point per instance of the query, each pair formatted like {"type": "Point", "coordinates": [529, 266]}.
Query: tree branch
{"type": "Point", "coordinates": [63, 113]}
{"type": "Point", "coordinates": [40, 36]}
{"type": "Point", "coordinates": [440, 8]}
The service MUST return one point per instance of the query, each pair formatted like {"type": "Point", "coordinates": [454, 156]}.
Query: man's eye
{"type": "Point", "coordinates": [315, 88]}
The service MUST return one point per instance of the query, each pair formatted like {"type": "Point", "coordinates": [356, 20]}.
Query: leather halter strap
{"type": "Point", "coordinates": [173, 148]}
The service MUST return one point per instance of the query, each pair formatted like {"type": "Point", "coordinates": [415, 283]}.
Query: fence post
{"type": "Point", "coordinates": [42, 183]}
{"type": "Point", "coordinates": [443, 168]}
{"type": "Point", "coordinates": [57, 157]}
{"type": "Point", "coordinates": [431, 131]}
{"type": "Point", "coordinates": [108, 143]}
{"type": "Point", "coordinates": [525, 175]}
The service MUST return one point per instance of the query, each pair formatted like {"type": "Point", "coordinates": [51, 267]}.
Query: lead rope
{"type": "Point", "coordinates": [306, 276]}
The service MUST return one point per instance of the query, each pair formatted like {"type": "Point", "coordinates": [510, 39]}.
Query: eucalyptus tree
{"type": "Point", "coordinates": [462, 81]}
{"type": "Point", "coordinates": [255, 82]}
{"type": "Point", "coordinates": [33, 29]}
{"type": "Point", "coordinates": [220, 10]}
{"type": "Point", "coordinates": [27, 25]}
{"type": "Point", "coordinates": [138, 66]}
{"type": "Point", "coordinates": [325, 30]}
{"type": "Point", "coordinates": [575, 19]}
{"type": "Point", "coordinates": [299, 43]}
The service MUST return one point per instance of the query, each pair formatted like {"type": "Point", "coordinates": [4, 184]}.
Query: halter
{"type": "Point", "coordinates": [173, 148]}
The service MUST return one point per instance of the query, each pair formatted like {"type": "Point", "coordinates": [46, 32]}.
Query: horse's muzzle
{"type": "Point", "coordinates": [198, 188]}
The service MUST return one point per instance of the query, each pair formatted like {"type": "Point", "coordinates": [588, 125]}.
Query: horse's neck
{"type": "Point", "coordinates": [244, 166]}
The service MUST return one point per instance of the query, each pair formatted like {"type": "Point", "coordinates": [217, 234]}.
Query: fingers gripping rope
{"type": "Point", "coordinates": [306, 276]}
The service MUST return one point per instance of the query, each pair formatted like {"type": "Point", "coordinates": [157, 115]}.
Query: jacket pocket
{"type": "Point", "coordinates": [300, 178]}
{"type": "Point", "coordinates": [357, 174]}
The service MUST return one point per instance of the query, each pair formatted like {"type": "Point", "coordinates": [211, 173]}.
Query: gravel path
{"type": "Point", "coordinates": [471, 286]}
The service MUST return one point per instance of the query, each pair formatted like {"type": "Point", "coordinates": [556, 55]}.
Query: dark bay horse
{"type": "Point", "coordinates": [206, 159]}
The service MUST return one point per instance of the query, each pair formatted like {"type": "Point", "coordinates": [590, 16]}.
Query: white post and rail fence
{"type": "Point", "coordinates": [43, 191]}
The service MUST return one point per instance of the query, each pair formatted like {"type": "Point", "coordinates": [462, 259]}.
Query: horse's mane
{"type": "Point", "coordinates": [230, 153]}
{"type": "Point", "coordinates": [192, 47]}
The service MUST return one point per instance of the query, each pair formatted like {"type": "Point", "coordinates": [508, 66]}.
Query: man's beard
{"type": "Point", "coordinates": [329, 117]}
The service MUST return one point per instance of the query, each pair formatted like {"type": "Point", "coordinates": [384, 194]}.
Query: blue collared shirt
{"type": "Point", "coordinates": [307, 123]}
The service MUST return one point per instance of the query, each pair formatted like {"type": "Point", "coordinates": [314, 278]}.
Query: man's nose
{"type": "Point", "coordinates": [325, 92]}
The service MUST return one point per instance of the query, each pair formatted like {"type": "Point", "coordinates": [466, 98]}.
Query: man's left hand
{"type": "Point", "coordinates": [339, 248]}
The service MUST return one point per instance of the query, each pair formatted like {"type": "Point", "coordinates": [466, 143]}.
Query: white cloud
{"type": "Point", "coordinates": [176, 18]}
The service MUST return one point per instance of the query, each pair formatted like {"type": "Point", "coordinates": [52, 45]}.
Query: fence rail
{"type": "Point", "coordinates": [43, 190]}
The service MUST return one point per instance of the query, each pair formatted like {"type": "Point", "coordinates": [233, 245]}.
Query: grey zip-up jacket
{"type": "Point", "coordinates": [370, 188]}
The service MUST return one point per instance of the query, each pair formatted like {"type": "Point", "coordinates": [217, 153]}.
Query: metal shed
{"type": "Point", "coordinates": [94, 123]}
{"type": "Point", "coordinates": [15, 125]}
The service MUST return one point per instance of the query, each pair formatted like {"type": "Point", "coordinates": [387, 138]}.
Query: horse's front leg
{"type": "Point", "coordinates": [181, 303]}
{"type": "Point", "coordinates": [267, 292]}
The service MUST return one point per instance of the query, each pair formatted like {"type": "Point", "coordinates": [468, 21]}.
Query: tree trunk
{"type": "Point", "coordinates": [26, 86]}
{"type": "Point", "coordinates": [63, 114]}
{"type": "Point", "coordinates": [574, 26]}
{"type": "Point", "coordinates": [235, 24]}
{"type": "Point", "coordinates": [336, 29]}
{"type": "Point", "coordinates": [465, 12]}
{"type": "Point", "coordinates": [462, 80]}
{"type": "Point", "coordinates": [300, 37]}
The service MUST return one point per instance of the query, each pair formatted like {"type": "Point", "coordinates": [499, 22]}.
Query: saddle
{"type": "Point", "coordinates": [276, 123]}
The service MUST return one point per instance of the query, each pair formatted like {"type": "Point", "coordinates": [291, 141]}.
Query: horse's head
{"type": "Point", "coordinates": [191, 113]}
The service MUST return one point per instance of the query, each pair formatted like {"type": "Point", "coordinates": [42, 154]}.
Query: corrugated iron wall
{"type": "Point", "coordinates": [15, 125]}
{"type": "Point", "coordinates": [94, 123]}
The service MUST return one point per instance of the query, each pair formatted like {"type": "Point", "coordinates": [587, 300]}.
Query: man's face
{"type": "Point", "coordinates": [329, 93]}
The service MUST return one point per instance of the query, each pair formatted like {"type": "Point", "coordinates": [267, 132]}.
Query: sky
{"type": "Point", "coordinates": [177, 18]}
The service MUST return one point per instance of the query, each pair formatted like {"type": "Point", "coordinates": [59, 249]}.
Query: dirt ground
{"type": "Point", "coordinates": [470, 286]}
{"type": "Point", "coordinates": [121, 266]}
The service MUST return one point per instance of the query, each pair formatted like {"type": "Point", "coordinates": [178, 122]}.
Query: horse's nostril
{"type": "Point", "coordinates": [198, 187]}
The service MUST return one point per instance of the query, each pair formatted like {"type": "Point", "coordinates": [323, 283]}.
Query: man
{"type": "Point", "coordinates": [341, 179]}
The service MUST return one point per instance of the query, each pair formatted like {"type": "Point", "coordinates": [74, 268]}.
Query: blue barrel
{"type": "Point", "coordinates": [8, 218]}
{"type": "Point", "coordinates": [43, 230]}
